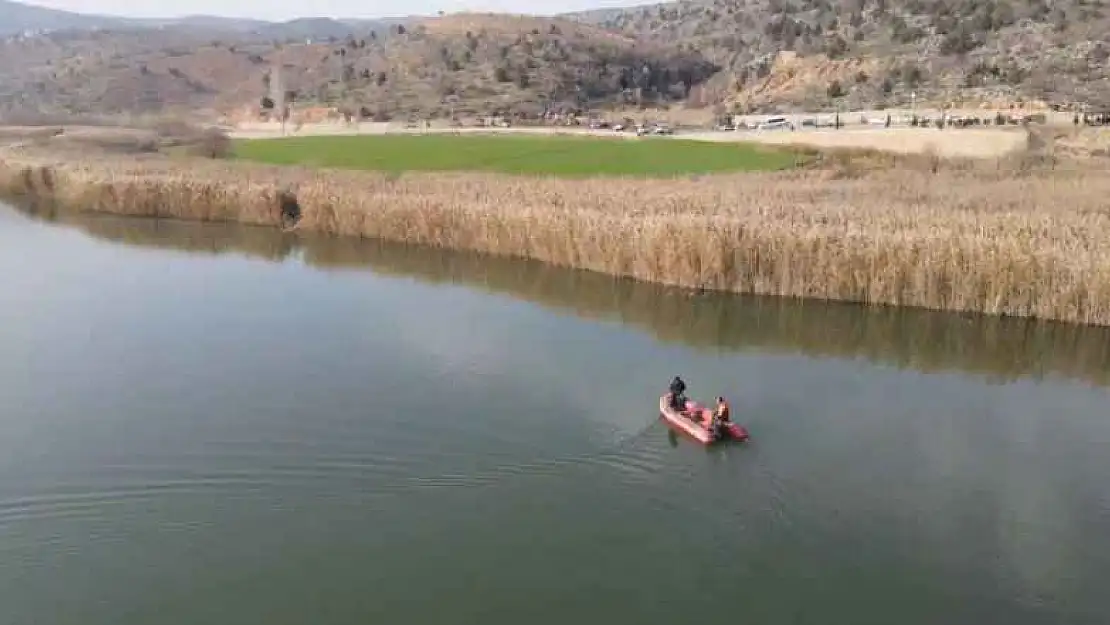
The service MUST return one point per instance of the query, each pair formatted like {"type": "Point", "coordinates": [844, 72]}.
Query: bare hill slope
{"type": "Point", "coordinates": [477, 63]}
{"type": "Point", "coordinates": [864, 52]}
{"type": "Point", "coordinates": [741, 55]}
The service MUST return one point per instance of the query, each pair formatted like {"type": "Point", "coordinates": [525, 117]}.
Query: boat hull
{"type": "Point", "coordinates": [693, 422]}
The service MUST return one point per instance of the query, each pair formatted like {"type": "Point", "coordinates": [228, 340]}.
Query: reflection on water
{"type": "Point", "coordinates": [1001, 349]}
{"type": "Point", "coordinates": [197, 440]}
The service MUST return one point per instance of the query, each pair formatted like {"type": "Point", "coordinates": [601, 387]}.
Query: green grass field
{"type": "Point", "coordinates": [534, 155]}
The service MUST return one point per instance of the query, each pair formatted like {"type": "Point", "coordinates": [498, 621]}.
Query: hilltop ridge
{"type": "Point", "coordinates": [715, 55]}
{"type": "Point", "coordinates": [18, 17]}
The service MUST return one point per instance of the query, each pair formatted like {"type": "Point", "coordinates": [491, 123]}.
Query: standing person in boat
{"type": "Point", "coordinates": [678, 397]}
{"type": "Point", "coordinates": [720, 419]}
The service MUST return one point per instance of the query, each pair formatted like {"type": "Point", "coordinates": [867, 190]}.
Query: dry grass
{"type": "Point", "coordinates": [74, 138]}
{"type": "Point", "coordinates": [1034, 243]}
{"type": "Point", "coordinates": [1085, 143]}
{"type": "Point", "coordinates": [1000, 349]}
{"type": "Point", "coordinates": [949, 143]}
{"type": "Point", "coordinates": [24, 134]}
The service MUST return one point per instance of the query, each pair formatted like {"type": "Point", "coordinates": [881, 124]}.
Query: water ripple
{"type": "Point", "coordinates": [89, 501]}
{"type": "Point", "coordinates": [242, 468]}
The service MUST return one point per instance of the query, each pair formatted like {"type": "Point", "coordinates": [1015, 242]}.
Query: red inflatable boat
{"type": "Point", "coordinates": [694, 419]}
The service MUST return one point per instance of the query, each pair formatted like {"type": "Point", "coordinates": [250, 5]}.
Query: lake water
{"type": "Point", "coordinates": [216, 424]}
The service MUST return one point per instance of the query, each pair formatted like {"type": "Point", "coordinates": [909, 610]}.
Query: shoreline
{"type": "Point", "coordinates": [999, 349]}
{"type": "Point", "coordinates": [987, 242]}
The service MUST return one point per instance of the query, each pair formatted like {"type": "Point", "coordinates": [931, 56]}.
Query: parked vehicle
{"type": "Point", "coordinates": [776, 123]}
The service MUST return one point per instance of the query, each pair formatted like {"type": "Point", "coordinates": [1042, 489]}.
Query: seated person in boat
{"type": "Point", "coordinates": [677, 395]}
{"type": "Point", "coordinates": [717, 422]}
{"type": "Point", "coordinates": [721, 414]}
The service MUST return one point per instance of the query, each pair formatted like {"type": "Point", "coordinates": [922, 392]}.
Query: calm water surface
{"type": "Point", "coordinates": [215, 424]}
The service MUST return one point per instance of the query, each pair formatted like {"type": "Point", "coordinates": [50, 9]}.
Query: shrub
{"type": "Point", "coordinates": [212, 143]}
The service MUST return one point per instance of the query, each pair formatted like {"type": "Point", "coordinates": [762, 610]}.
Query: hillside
{"type": "Point", "coordinates": [741, 55]}
{"type": "Point", "coordinates": [466, 63]}
{"type": "Point", "coordinates": [17, 18]}
{"type": "Point", "coordinates": [812, 53]}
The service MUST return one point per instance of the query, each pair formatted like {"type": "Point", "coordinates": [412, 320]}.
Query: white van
{"type": "Point", "coordinates": [776, 123]}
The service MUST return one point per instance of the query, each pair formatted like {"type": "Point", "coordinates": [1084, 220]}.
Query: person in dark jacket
{"type": "Point", "coordinates": [678, 394]}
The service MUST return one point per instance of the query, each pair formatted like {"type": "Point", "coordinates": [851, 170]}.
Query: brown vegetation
{"type": "Point", "coordinates": [768, 56]}
{"type": "Point", "coordinates": [156, 137]}
{"type": "Point", "coordinates": [1003, 349]}
{"type": "Point", "coordinates": [470, 64]}
{"type": "Point", "coordinates": [966, 50]}
{"type": "Point", "coordinates": [1032, 243]}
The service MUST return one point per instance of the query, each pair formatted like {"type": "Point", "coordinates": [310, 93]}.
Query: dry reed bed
{"type": "Point", "coordinates": [1003, 349]}
{"type": "Point", "coordinates": [1031, 245]}
{"type": "Point", "coordinates": [998, 348]}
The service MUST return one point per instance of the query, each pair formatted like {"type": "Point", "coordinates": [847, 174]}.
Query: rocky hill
{"type": "Point", "coordinates": [745, 55]}
{"type": "Point", "coordinates": [434, 66]}
{"type": "Point", "coordinates": [815, 53]}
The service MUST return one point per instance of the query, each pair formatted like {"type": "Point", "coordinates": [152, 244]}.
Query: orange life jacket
{"type": "Point", "coordinates": [723, 411]}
